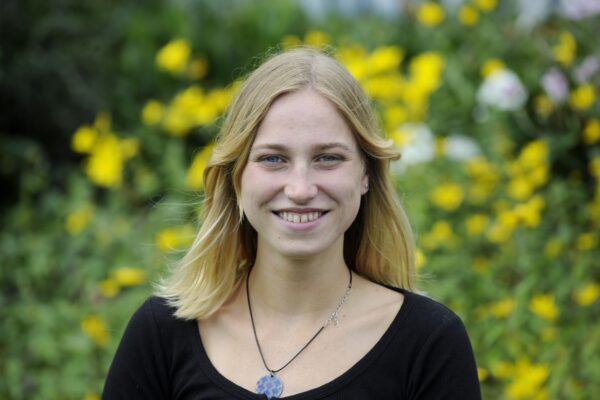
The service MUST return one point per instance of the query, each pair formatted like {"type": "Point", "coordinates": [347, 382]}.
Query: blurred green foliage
{"type": "Point", "coordinates": [108, 111]}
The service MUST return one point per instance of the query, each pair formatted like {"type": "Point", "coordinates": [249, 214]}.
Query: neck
{"type": "Point", "coordinates": [297, 289]}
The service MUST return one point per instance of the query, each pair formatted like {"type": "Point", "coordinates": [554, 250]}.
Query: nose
{"type": "Point", "coordinates": [300, 187]}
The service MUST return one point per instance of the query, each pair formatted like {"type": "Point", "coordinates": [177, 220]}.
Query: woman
{"type": "Point", "coordinates": [299, 283]}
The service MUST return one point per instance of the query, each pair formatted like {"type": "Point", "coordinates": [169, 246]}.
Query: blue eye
{"type": "Point", "coordinates": [329, 158]}
{"type": "Point", "coordinates": [271, 159]}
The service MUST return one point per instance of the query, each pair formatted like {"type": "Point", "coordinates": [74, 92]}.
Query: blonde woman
{"type": "Point", "coordinates": [300, 282]}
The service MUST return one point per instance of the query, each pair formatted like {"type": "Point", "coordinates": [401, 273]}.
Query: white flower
{"type": "Point", "coordinates": [461, 148]}
{"type": "Point", "coordinates": [502, 90]}
{"type": "Point", "coordinates": [586, 70]}
{"type": "Point", "coordinates": [580, 9]}
{"type": "Point", "coordinates": [556, 86]}
{"type": "Point", "coordinates": [416, 144]}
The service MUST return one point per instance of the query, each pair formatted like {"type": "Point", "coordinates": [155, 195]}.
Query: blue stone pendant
{"type": "Point", "coordinates": [269, 385]}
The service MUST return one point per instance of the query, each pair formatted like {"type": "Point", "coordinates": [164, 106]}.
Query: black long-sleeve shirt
{"type": "Point", "coordinates": [424, 354]}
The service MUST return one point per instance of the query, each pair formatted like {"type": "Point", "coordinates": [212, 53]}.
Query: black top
{"type": "Point", "coordinates": [424, 354]}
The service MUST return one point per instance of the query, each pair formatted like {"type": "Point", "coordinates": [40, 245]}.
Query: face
{"type": "Point", "coordinates": [302, 186]}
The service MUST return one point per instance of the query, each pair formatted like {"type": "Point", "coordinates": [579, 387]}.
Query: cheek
{"type": "Point", "coordinates": [256, 187]}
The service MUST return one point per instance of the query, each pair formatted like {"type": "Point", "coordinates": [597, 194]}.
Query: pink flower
{"type": "Point", "coordinates": [502, 90]}
{"type": "Point", "coordinates": [580, 9]}
{"type": "Point", "coordinates": [556, 86]}
{"type": "Point", "coordinates": [584, 71]}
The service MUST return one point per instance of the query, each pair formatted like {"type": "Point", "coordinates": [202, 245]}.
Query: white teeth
{"type": "Point", "coordinates": [300, 218]}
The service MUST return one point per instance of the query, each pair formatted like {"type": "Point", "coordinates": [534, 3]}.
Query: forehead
{"type": "Point", "coordinates": [301, 118]}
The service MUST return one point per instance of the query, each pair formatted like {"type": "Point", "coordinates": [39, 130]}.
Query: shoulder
{"type": "Point", "coordinates": [156, 314]}
{"type": "Point", "coordinates": [442, 363]}
{"type": "Point", "coordinates": [424, 320]}
{"type": "Point", "coordinates": [427, 311]}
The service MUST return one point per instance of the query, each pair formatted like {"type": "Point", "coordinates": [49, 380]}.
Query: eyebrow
{"type": "Point", "coordinates": [320, 146]}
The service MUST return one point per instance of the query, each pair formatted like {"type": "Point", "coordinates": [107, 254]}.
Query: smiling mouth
{"type": "Point", "coordinates": [300, 217]}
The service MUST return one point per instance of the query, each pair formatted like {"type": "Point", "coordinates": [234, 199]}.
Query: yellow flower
{"type": "Point", "coordinates": [129, 147]}
{"type": "Point", "coordinates": [586, 241]}
{"type": "Point", "coordinates": [544, 306]}
{"type": "Point", "coordinates": [440, 235]}
{"type": "Point", "coordinates": [527, 380]}
{"type": "Point", "coordinates": [503, 308]}
{"type": "Point", "coordinates": [79, 219]}
{"type": "Point", "coordinates": [520, 188]}
{"type": "Point", "coordinates": [503, 370]}
{"type": "Point", "coordinates": [582, 97]}
{"type": "Point", "coordinates": [499, 233]}
{"type": "Point", "coordinates": [482, 373]}
{"type": "Point", "coordinates": [530, 213]}
{"type": "Point", "coordinates": [486, 5]}
{"type": "Point", "coordinates": [553, 248]}
{"type": "Point", "coordinates": [317, 39]}
{"type": "Point", "coordinates": [84, 139]}
{"type": "Point", "coordinates": [591, 132]}
{"type": "Point", "coordinates": [384, 59]}
{"type": "Point", "coordinates": [430, 14]}
{"type": "Point", "coordinates": [468, 15]}
{"type": "Point", "coordinates": [587, 295]}
{"type": "Point", "coordinates": [290, 42]}
{"type": "Point", "coordinates": [95, 328]}
{"type": "Point", "coordinates": [385, 88]}
{"type": "Point", "coordinates": [198, 68]}
{"type": "Point", "coordinates": [543, 105]}
{"type": "Point", "coordinates": [105, 164]}
{"type": "Point", "coordinates": [539, 175]}
{"type": "Point", "coordinates": [482, 171]}
{"type": "Point", "coordinates": [490, 66]}
{"type": "Point", "coordinates": [533, 154]}
{"type": "Point", "coordinates": [170, 239]}
{"type": "Point", "coordinates": [508, 219]}
{"type": "Point", "coordinates": [394, 116]}
{"type": "Point", "coordinates": [476, 224]}
{"type": "Point", "coordinates": [564, 51]}
{"type": "Point", "coordinates": [174, 56]}
{"type": "Point", "coordinates": [447, 196]}
{"type": "Point", "coordinates": [420, 259]}
{"type": "Point", "coordinates": [129, 276]}
{"type": "Point", "coordinates": [91, 396]}
{"type": "Point", "coordinates": [442, 231]}
{"type": "Point", "coordinates": [426, 72]}
{"type": "Point", "coordinates": [194, 179]}
{"type": "Point", "coordinates": [109, 288]}
{"type": "Point", "coordinates": [166, 240]}
{"type": "Point", "coordinates": [353, 58]}
{"type": "Point", "coordinates": [152, 113]}
{"type": "Point", "coordinates": [192, 107]}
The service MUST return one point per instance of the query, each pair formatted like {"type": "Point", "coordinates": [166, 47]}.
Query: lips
{"type": "Point", "coordinates": [300, 216]}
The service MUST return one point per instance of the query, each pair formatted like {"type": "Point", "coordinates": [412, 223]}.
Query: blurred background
{"type": "Point", "coordinates": [108, 111]}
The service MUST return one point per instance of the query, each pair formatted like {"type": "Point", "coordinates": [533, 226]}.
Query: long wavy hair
{"type": "Point", "coordinates": [379, 244]}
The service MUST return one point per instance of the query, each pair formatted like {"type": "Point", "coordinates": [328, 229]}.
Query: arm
{"type": "Point", "coordinates": [445, 367]}
{"type": "Point", "coordinates": [139, 369]}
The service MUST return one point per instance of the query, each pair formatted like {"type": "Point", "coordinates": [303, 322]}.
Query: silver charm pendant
{"type": "Point", "coordinates": [269, 385]}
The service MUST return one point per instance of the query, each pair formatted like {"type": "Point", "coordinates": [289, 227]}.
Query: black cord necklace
{"type": "Point", "coordinates": [270, 384]}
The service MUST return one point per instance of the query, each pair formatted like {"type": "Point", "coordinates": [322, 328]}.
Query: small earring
{"type": "Point", "coordinates": [367, 186]}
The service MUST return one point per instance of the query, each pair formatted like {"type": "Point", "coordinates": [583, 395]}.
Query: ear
{"type": "Point", "coordinates": [364, 184]}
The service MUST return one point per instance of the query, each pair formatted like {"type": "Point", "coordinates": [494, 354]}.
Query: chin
{"type": "Point", "coordinates": [302, 250]}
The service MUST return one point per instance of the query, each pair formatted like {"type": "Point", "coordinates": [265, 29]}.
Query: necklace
{"type": "Point", "coordinates": [270, 384]}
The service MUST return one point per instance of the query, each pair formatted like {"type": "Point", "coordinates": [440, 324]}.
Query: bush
{"type": "Point", "coordinates": [500, 172]}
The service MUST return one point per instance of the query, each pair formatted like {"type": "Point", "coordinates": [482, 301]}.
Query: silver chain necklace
{"type": "Point", "coordinates": [270, 384]}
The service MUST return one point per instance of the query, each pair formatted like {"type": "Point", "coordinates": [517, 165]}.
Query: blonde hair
{"type": "Point", "coordinates": [378, 245]}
